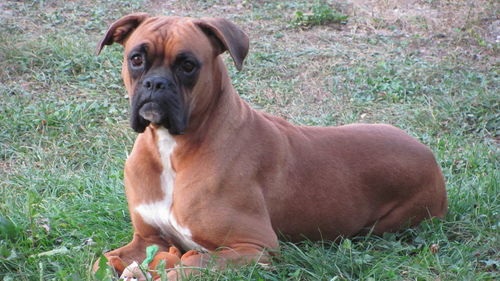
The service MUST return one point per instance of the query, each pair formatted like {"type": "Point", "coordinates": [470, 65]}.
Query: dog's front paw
{"type": "Point", "coordinates": [114, 262]}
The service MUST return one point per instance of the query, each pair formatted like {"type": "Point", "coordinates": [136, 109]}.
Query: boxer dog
{"type": "Point", "coordinates": [219, 180]}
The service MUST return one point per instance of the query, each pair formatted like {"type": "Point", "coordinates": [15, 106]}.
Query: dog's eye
{"type": "Point", "coordinates": [136, 60]}
{"type": "Point", "coordinates": [187, 66]}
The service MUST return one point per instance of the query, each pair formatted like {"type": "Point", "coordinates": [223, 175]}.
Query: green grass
{"type": "Point", "coordinates": [320, 14]}
{"type": "Point", "coordinates": [64, 135]}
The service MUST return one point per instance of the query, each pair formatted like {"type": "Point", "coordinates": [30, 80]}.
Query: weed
{"type": "Point", "coordinates": [320, 14]}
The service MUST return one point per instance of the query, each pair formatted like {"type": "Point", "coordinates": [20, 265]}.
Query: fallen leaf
{"type": "Point", "coordinates": [434, 248]}
{"type": "Point", "coordinates": [44, 223]}
{"type": "Point", "coordinates": [58, 251]}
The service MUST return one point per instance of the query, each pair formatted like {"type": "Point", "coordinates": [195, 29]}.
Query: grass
{"type": "Point", "coordinates": [320, 14]}
{"type": "Point", "coordinates": [64, 132]}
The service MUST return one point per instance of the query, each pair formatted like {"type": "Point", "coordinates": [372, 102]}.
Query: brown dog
{"type": "Point", "coordinates": [209, 174]}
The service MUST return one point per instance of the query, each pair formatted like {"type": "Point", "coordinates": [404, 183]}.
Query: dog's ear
{"type": "Point", "coordinates": [227, 36]}
{"type": "Point", "coordinates": [121, 29]}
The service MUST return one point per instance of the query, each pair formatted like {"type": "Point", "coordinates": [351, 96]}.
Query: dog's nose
{"type": "Point", "coordinates": [155, 83]}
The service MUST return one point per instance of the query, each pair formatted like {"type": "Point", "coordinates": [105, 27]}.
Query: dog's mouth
{"type": "Point", "coordinates": [151, 112]}
{"type": "Point", "coordinates": [159, 114]}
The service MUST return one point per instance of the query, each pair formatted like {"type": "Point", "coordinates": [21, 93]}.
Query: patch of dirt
{"type": "Point", "coordinates": [433, 30]}
{"type": "Point", "coordinates": [6, 167]}
{"type": "Point", "coordinates": [427, 16]}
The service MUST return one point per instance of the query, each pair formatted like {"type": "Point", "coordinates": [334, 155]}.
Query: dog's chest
{"type": "Point", "coordinates": [159, 213]}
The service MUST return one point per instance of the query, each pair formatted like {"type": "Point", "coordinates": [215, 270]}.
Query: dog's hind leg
{"type": "Point", "coordinates": [411, 212]}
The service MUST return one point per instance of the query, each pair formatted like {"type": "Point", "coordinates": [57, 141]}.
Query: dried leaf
{"type": "Point", "coordinates": [434, 248]}
{"type": "Point", "coordinates": [59, 251]}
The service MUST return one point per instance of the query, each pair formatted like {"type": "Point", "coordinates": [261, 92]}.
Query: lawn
{"type": "Point", "coordinates": [429, 67]}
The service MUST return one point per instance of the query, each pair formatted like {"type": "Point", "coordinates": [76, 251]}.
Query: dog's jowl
{"type": "Point", "coordinates": [210, 175]}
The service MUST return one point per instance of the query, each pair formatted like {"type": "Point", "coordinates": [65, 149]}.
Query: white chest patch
{"type": "Point", "coordinates": [159, 213]}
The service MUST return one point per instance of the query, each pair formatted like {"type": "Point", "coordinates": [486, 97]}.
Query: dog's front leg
{"type": "Point", "coordinates": [234, 256]}
{"type": "Point", "coordinates": [136, 249]}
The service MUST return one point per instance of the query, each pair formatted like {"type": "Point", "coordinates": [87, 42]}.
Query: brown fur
{"type": "Point", "coordinates": [242, 175]}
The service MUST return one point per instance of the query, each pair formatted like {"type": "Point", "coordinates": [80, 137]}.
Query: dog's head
{"type": "Point", "coordinates": [170, 65]}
